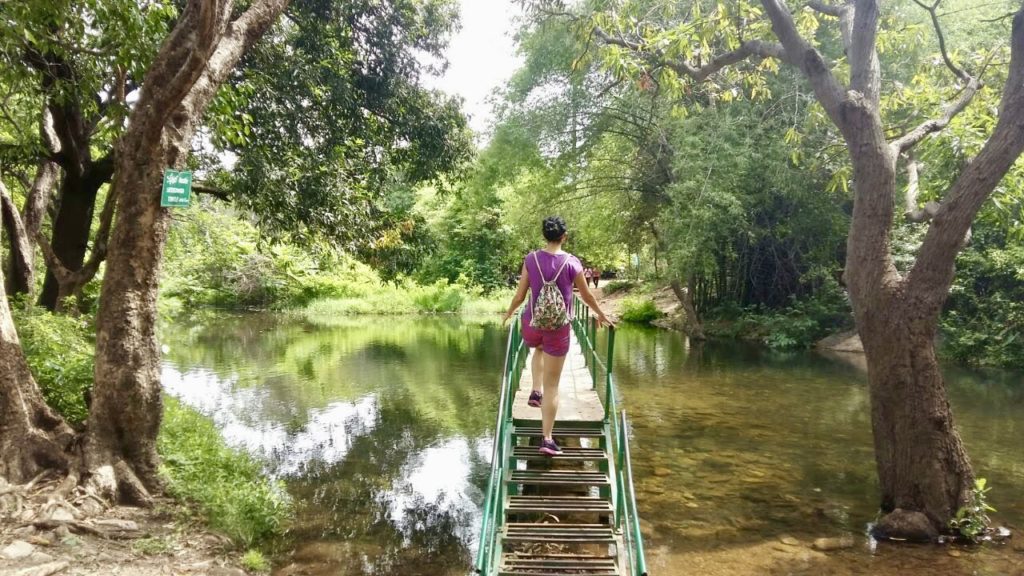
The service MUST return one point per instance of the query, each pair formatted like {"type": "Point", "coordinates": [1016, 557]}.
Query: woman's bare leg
{"type": "Point", "coordinates": [537, 370]}
{"type": "Point", "coordinates": [552, 370]}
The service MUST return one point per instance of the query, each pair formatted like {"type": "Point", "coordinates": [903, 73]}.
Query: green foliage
{"type": "Point", "coordinates": [408, 298]}
{"type": "Point", "coordinates": [254, 561]}
{"type": "Point", "coordinates": [972, 521]}
{"type": "Point", "coordinates": [59, 350]}
{"type": "Point", "coordinates": [230, 492]}
{"type": "Point", "coordinates": [439, 297]}
{"type": "Point", "coordinates": [640, 310]}
{"type": "Point", "coordinates": [216, 258]}
{"type": "Point", "coordinates": [329, 115]}
{"type": "Point", "coordinates": [984, 319]}
{"type": "Point", "coordinates": [617, 286]}
{"type": "Point", "coordinates": [799, 325]}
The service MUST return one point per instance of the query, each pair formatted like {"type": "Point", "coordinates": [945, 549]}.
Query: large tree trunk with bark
{"type": "Point", "coordinates": [72, 226]}
{"type": "Point", "coordinates": [33, 438]}
{"type": "Point", "coordinates": [124, 419]}
{"type": "Point", "coordinates": [923, 467]}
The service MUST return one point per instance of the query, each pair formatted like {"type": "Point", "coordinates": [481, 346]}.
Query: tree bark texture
{"type": "Point", "coordinates": [71, 228]}
{"type": "Point", "coordinates": [22, 270]}
{"type": "Point", "coordinates": [33, 438]}
{"type": "Point", "coordinates": [124, 419]}
{"type": "Point", "coordinates": [21, 266]}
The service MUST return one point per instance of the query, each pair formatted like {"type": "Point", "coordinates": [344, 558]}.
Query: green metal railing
{"type": "Point", "coordinates": [493, 516]}
{"type": "Point", "coordinates": [616, 434]}
{"type": "Point", "coordinates": [615, 441]}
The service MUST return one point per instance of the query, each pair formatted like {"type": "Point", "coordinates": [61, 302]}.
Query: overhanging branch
{"type": "Point", "coordinates": [698, 73]}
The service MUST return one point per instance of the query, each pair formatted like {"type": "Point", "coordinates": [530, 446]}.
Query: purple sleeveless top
{"type": "Point", "coordinates": [549, 265]}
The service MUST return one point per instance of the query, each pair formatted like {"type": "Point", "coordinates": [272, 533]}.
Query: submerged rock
{"type": "Point", "coordinates": [906, 525]}
{"type": "Point", "coordinates": [843, 342]}
{"type": "Point", "coordinates": [837, 543]}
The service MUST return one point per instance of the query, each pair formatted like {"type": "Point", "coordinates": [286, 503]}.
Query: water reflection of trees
{"type": "Point", "coordinates": [368, 518]}
{"type": "Point", "coordinates": [442, 365]}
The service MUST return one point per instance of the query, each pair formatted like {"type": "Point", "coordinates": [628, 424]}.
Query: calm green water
{"type": "Point", "coordinates": [381, 428]}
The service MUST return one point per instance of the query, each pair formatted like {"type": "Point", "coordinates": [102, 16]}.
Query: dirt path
{"type": "Point", "coordinates": [42, 536]}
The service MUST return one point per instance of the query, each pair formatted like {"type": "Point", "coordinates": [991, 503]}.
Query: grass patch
{"type": "Point", "coordinates": [228, 489]}
{"type": "Point", "coordinates": [255, 561]}
{"type": "Point", "coordinates": [640, 310]}
{"type": "Point", "coordinates": [154, 546]}
{"type": "Point", "coordinates": [408, 298]}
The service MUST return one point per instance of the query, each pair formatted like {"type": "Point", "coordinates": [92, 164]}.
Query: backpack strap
{"type": "Point", "coordinates": [560, 268]}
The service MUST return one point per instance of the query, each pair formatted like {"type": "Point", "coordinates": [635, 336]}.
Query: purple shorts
{"type": "Point", "coordinates": [551, 342]}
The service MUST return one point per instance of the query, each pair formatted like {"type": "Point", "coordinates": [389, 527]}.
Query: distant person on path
{"type": "Point", "coordinates": [596, 276]}
{"type": "Point", "coordinates": [588, 273]}
{"type": "Point", "coordinates": [547, 274]}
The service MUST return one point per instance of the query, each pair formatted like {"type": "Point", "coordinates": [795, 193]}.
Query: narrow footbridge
{"type": "Point", "coordinates": [569, 514]}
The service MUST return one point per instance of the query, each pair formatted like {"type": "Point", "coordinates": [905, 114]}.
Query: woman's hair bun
{"type": "Point", "coordinates": [553, 228]}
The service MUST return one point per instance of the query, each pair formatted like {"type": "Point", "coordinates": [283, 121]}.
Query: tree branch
{"type": "Point", "coordinates": [865, 71]}
{"type": "Point", "coordinates": [200, 188]}
{"type": "Point", "coordinates": [913, 213]}
{"type": "Point", "coordinates": [800, 53]}
{"type": "Point", "coordinates": [701, 73]}
{"type": "Point", "coordinates": [932, 11]}
{"type": "Point", "coordinates": [910, 139]}
{"type": "Point", "coordinates": [933, 271]}
{"type": "Point", "coordinates": [827, 9]}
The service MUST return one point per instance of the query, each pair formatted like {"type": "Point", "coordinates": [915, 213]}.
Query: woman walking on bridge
{"type": "Point", "coordinates": [549, 275]}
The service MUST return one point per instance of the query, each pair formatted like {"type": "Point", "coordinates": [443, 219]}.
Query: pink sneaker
{"type": "Point", "coordinates": [535, 399]}
{"type": "Point", "coordinates": [550, 448]}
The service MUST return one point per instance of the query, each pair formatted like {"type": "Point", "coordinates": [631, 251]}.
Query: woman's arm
{"type": "Point", "coordinates": [588, 297]}
{"type": "Point", "coordinates": [520, 295]}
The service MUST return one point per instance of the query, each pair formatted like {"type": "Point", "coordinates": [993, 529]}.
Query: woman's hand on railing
{"type": "Point", "coordinates": [603, 320]}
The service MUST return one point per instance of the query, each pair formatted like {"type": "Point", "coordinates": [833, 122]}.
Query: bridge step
{"type": "Point", "coordinates": [568, 454]}
{"type": "Point", "coordinates": [556, 505]}
{"type": "Point", "coordinates": [575, 430]}
{"type": "Point", "coordinates": [557, 565]}
{"type": "Point", "coordinates": [558, 533]}
{"type": "Point", "coordinates": [559, 477]}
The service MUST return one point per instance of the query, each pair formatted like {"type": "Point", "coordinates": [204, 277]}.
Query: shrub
{"type": "Point", "coordinates": [227, 487]}
{"type": "Point", "coordinates": [254, 561]}
{"type": "Point", "coordinates": [640, 310]}
{"type": "Point", "coordinates": [438, 297]}
{"type": "Point", "coordinates": [59, 350]}
{"type": "Point", "coordinates": [617, 286]}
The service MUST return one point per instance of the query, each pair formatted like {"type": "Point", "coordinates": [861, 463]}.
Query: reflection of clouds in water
{"type": "Point", "coordinates": [439, 475]}
{"type": "Point", "coordinates": [326, 436]}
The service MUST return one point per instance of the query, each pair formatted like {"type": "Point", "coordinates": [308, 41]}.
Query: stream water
{"type": "Point", "coordinates": [381, 429]}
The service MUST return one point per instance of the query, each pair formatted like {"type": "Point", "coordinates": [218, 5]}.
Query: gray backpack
{"type": "Point", "coordinates": [549, 311]}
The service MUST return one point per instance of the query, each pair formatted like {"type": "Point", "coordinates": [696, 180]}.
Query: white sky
{"type": "Point", "coordinates": [481, 56]}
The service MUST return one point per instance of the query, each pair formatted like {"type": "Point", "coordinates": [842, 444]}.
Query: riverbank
{"type": "Point", "coordinates": [41, 537]}
{"type": "Point", "coordinates": [217, 512]}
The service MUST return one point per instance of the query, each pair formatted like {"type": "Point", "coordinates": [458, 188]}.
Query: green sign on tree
{"type": "Point", "coordinates": [177, 189]}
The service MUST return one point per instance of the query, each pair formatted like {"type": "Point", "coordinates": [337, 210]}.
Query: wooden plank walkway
{"type": "Point", "coordinates": [575, 489]}
{"type": "Point", "coordinates": [577, 398]}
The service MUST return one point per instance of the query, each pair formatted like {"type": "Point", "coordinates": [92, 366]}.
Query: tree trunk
{"type": "Point", "coordinates": [71, 229]}
{"type": "Point", "coordinates": [203, 48]}
{"type": "Point", "coordinates": [22, 277]}
{"type": "Point", "coordinates": [33, 438]}
{"type": "Point", "coordinates": [693, 325]}
{"type": "Point", "coordinates": [922, 464]}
